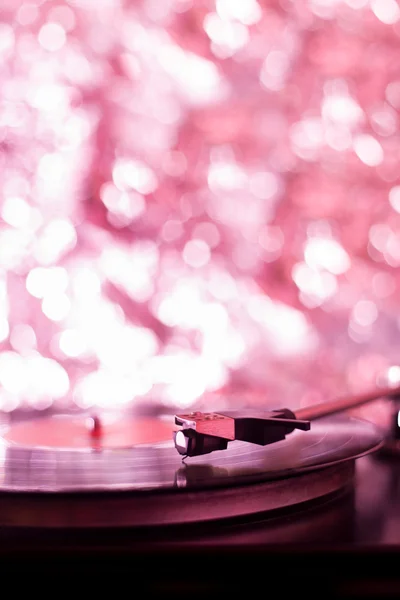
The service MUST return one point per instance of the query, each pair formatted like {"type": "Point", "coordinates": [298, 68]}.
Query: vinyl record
{"type": "Point", "coordinates": [149, 485]}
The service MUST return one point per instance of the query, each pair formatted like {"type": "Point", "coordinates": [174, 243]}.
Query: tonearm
{"type": "Point", "coordinates": [204, 432]}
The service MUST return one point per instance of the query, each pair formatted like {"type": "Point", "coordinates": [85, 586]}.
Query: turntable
{"type": "Point", "coordinates": [154, 486]}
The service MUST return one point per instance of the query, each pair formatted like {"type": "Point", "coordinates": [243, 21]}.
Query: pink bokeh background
{"type": "Point", "coordinates": [198, 198]}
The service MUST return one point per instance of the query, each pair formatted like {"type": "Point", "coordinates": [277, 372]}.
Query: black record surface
{"type": "Point", "coordinates": [158, 467]}
{"type": "Point", "coordinates": [150, 485]}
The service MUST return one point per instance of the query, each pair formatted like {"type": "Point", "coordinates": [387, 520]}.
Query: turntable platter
{"type": "Point", "coordinates": [148, 484]}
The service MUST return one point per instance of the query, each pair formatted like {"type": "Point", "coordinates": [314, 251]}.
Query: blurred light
{"type": "Point", "coordinates": [16, 212]}
{"type": "Point", "coordinates": [327, 254]}
{"type": "Point", "coordinates": [52, 37]}
{"type": "Point", "coordinates": [394, 198]}
{"type": "Point", "coordinates": [14, 248]}
{"type": "Point", "coordinates": [41, 281]}
{"type": "Point", "coordinates": [64, 16]}
{"type": "Point", "coordinates": [365, 313]}
{"type": "Point", "coordinates": [392, 93]}
{"type": "Point", "coordinates": [128, 174]}
{"type": "Point", "coordinates": [108, 390]}
{"type": "Point", "coordinates": [124, 207]}
{"type": "Point", "coordinates": [9, 402]}
{"type": "Point", "coordinates": [198, 79]}
{"type": "Point", "coordinates": [379, 234]}
{"type": "Point", "coordinates": [384, 120]}
{"type": "Point", "coordinates": [11, 376]}
{"type": "Point", "coordinates": [7, 38]}
{"type": "Point", "coordinates": [316, 287]}
{"type": "Point", "coordinates": [289, 330]}
{"type": "Point", "coordinates": [340, 108]}
{"type": "Point", "coordinates": [357, 4]}
{"type": "Point", "coordinates": [27, 14]}
{"type": "Point", "coordinates": [392, 254]}
{"type": "Point", "coordinates": [172, 230]}
{"type": "Point", "coordinates": [226, 176]}
{"type": "Point", "coordinates": [196, 253]}
{"type": "Point", "coordinates": [386, 11]}
{"type": "Point", "coordinates": [56, 307]}
{"type": "Point", "coordinates": [338, 138]}
{"type": "Point", "coordinates": [227, 36]}
{"type": "Point", "coordinates": [49, 97]}
{"type": "Point", "coordinates": [307, 137]}
{"type": "Point", "coordinates": [181, 307]}
{"type": "Point", "coordinates": [23, 338]}
{"type": "Point", "coordinates": [264, 185]}
{"type": "Point", "coordinates": [187, 376]}
{"type": "Point", "coordinates": [222, 285]}
{"type": "Point", "coordinates": [4, 310]}
{"type": "Point", "coordinates": [368, 150]}
{"type": "Point", "coordinates": [393, 376]}
{"type": "Point", "coordinates": [220, 342]}
{"type": "Point", "coordinates": [324, 8]}
{"type": "Point", "coordinates": [274, 70]}
{"type": "Point", "coordinates": [86, 283]}
{"type": "Point", "coordinates": [57, 238]}
{"type": "Point", "coordinates": [133, 271]}
{"type": "Point", "coordinates": [34, 378]}
{"type": "Point", "coordinates": [4, 328]}
{"type": "Point", "coordinates": [248, 12]}
{"type": "Point", "coordinates": [52, 170]}
{"type": "Point", "coordinates": [182, 206]}
{"type": "Point", "coordinates": [71, 343]}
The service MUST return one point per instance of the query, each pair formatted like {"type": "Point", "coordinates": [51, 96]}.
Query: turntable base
{"type": "Point", "coordinates": [178, 508]}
